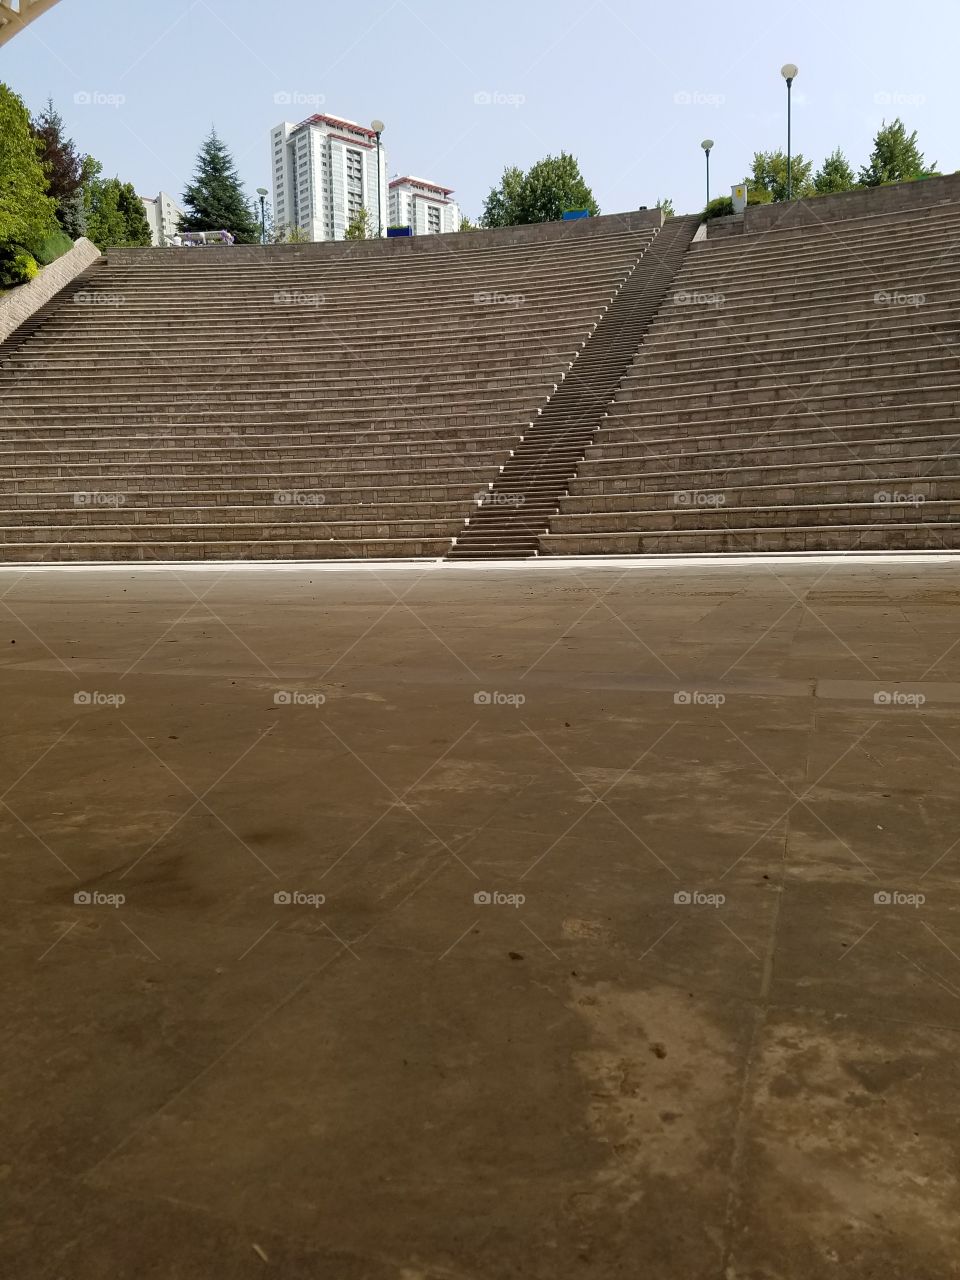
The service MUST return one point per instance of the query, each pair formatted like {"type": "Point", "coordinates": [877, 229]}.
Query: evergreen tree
{"type": "Point", "coordinates": [64, 168]}
{"type": "Point", "coordinates": [896, 157]}
{"type": "Point", "coordinates": [134, 215]}
{"type": "Point", "coordinates": [27, 214]}
{"type": "Point", "coordinates": [542, 194]}
{"type": "Point", "coordinates": [215, 200]}
{"type": "Point", "coordinates": [834, 175]}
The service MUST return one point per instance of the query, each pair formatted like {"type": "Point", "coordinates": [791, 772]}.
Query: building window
{"type": "Point", "coordinates": [433, 218]}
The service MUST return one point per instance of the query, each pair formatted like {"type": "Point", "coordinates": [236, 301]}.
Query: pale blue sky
{"type": "Point", "coordinates": [605, 79]}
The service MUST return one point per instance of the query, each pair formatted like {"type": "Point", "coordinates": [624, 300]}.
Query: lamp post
{"type": "Point", "coordinates": [378, 127]}
{"type": "Point", "coordinates": [707, 145]}
{"type": "Point", "coordinates": [789, 71]}
{"type": "Point", "coordinates": [262, 193]}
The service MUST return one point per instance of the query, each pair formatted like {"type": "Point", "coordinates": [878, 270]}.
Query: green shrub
{"type": "Point", "coordinates": [16, 267]}
{"type": "Point", "coordinates": [719, 207]}
{"type": "Point", "coordinates": [54, 245]}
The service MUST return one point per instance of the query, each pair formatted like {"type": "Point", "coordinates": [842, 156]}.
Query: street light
{"type": "Point", "coordinates": [378, 127]}
{"type": "Point", "coordinates": [262, 193]}
{"type": "Point", "coordinates": [788, 71]}
{"type": "Point", "coordinates": [707, 145]}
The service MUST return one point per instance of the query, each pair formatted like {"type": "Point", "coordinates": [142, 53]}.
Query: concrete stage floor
{"type": "Point", "coordinates": [685, 1039]}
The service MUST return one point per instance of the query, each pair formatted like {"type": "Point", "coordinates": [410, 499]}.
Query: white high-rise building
{"type": "Point", "coordinates": [163, 214]}
{"type": "Point", "coordinates": [324, 170]}
{"type": "Point", "coordinates": [423, 206]}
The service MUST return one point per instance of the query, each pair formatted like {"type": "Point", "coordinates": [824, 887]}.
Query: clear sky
{"type": "Point", "coordinates": [629, 87]}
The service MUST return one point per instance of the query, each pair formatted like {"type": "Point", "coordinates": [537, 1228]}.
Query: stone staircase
{"type": "Point", "coordinates": [312, 401]}
{"type": "Point", "coordinates": [798, 391]}
{"type": "Point", "coordinates": [515, 510]}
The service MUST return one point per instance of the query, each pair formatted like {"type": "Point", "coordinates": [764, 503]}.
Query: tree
{"type": "Point", "coordinates": [769, 173]}
{"type": "Point", "coordinates": [134, 215]}
{"type": "Point", "coordinates": [27, 214]}
{"type": "Point", "coordinates": [666, 204]}
{"type": "Point", "coordinates": [114, 213]}
{"type": "Point", "coordinates": [64, 168]}
{"type": "Point", "coordinates": [542, 194]}
{"type": "Point", "coordinates": [834, 175]}
{"type": "Point", "coordinates": [896, 157]}
{"type": "Point", "coordinates": [215, 200]}
{"type": "Point", "coordinates": [467, 225]}
{"type": "Point", "coordinates": [358, 228]}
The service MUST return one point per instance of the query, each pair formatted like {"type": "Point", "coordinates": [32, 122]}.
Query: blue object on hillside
{"type": "Point", "coordinates": [570, 214]}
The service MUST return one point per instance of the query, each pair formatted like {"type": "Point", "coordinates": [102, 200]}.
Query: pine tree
{"type": "Point", "coordinates": [134, 215]}
{"type": "Point", "coordinates": [896, 157]}
{"type": "Point", "coordinates": [215, 200]}
{"type": "Point", "coordinates": [64, 168]}
{"type": "Point", "coordinates": [834, 175]}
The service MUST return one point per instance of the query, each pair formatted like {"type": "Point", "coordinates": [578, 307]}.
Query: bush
{"type": "Point", "coordinates": [16, 267]}
{"type": "Point", "coordinates": [54, 246]}
{"type": "Point", "coordinates": [720, 207]}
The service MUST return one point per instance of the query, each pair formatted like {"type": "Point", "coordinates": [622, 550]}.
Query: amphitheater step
{"type": "Point", "coordinates": [547, 458]}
